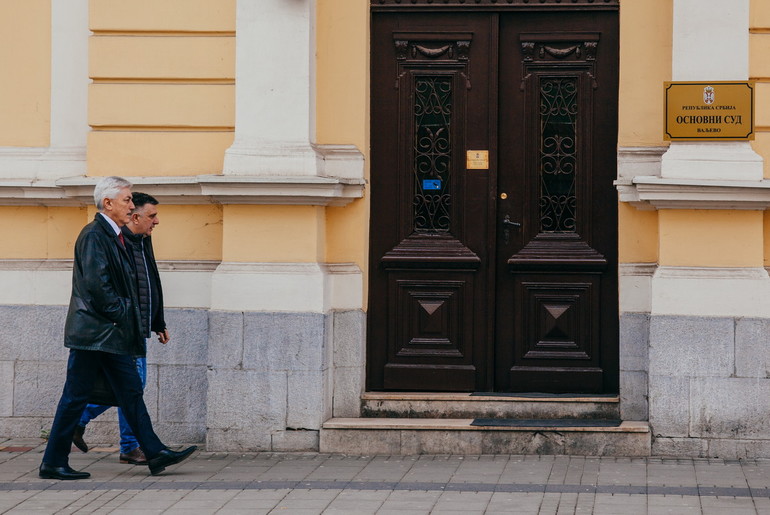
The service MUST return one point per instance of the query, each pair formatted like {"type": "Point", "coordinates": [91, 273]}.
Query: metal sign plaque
{"type": "Point", "coordinates": [477, 160]}
{"type": "Point", "coordinates": [716, 111]}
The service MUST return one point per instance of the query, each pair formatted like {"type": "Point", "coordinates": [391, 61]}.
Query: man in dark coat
{"type": "Point", "coordinates": [103, 332]}
{"type": "Point", "coordinates": [137, 234]}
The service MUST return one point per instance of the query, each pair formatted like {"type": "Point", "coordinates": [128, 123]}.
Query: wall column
{"type": "Point", "coordinates": [711, 43]}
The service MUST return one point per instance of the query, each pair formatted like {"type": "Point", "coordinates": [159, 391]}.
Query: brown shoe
{"type": "Point", "coordinates": [135, 457]}
{"type": "Point", "coordinates": [77, 438]}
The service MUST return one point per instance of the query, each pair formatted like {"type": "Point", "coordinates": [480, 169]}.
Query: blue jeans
{"type": "Point", "coordinates": [128, 441]}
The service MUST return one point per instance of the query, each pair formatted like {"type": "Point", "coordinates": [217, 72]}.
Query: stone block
{"type": "Point", "coordinates": [752, 349]}
{"type": "Point", "coordinates": [348, 387]}
{"type": "Point", "coordinates": [173, 434]}
{"type": "Point", "coordinates": [294, 441]}
{"type": "Point", "coordinates": [238, 439]}
{"type": "Point", "coordinates": [6, 392]}
{"type": "Point", "coordinates": [24, 427]}
{"type": "Point", "coordinates": [182, 394]}
{"type": "Point", "coordinates": [690, 447]}
{"type": "Point", "coordinates": [669, 406]}
{"type": "Point", "coordinates": [241, 400]}
{"type": "Point", "coordinates": [37, 388]}
{"type": "Point", "coordinates": [730, 449]}
{"type": "Point", "coordinates": [733, 408]}
{"type": "Point", "coordinates": [307, 406]}
{"type": "Point", "coordinates": [284, 341]}
{"type": "Point", "coordinates": [633, 395]}
{"type": "Point", "coordinates": [686, 346]}
{"type": "Point", "coordinates": [152, 392]}
{"type": "Point", "coordinates": [360, 442]}
{"type": "Point", "coordinates": [32, 333]}
{"type": "Point", "coordinates": [349, 336]}
{"type": "Point", "coordinates": [634, 341]}
{"type": "Point", "coordinates": [189, 331]}
{"type": "Point", "coordinates": [225, 341]}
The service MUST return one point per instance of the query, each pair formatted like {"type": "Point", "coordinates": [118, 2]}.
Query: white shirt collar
{"type": "Point", "coordinates": [112, 223]}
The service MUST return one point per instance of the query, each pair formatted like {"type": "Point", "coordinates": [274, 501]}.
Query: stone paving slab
{"type": "Point", "coordinates": [299, 483]}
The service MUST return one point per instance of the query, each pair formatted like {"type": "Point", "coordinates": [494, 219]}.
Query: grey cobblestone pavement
{"type": "Point", "coordinates": [313, 483]}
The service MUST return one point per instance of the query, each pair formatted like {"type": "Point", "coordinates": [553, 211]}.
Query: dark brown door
{"type": "Point", "coordinates": [493, 214]}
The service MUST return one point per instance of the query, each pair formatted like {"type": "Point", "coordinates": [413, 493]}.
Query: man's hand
{"type": "Point", "coordinates": [163, 336]}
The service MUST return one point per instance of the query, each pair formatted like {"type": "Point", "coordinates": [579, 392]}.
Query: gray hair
{"type": "Point", "coordinates": [108, 187]}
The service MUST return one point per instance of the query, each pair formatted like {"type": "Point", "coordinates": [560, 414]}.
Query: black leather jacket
{"type": "Point", "coordinates": [104, 308]}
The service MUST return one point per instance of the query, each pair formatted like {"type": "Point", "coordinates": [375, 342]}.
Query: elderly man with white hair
{"type": "Point", "coordinates": [103, 333]}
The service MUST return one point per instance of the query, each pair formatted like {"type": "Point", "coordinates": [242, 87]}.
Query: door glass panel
{"type": "Point", "coordinates": [558, 122]}
{"type": "Point", "coordinates": [432, 153]}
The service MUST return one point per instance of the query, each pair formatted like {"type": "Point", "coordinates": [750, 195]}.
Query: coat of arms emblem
{"type": "Point", "coordinates": [708, 95]}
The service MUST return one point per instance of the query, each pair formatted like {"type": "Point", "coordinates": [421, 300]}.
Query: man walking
{"type": "Point", "coordinates": [103, 332]}
{"type": "Point", "coordinates": [137, 233]}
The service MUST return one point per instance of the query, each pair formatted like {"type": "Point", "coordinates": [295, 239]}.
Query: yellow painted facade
{"type": "Point", "coordinates": [162, 103]}
{"type": "Point", "coordinates": [710, 238]}
{"type": "Point", "coordinates": [25, 61]}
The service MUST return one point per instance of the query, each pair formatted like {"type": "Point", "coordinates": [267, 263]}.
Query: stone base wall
{"type": "Point", "coordinates": [709, 386]}
{"type": "Point", "coordinates": [234, 380]}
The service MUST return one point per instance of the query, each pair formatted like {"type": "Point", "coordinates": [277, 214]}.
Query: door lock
{"type": "Point", "coordinates": [507, 224]}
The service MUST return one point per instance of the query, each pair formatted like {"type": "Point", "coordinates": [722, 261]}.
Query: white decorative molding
{"type": "Point", "coordinates": [204, 284]}
{"type": "Point", "coordinates": [289, 287]}
{"type": "Point", "coordinates": [712, 160]}
{"type": "Point", "coordinates": [197, 189]}
{"type": "Point", "coordinates": [711, 292]}
{"type": "Point", "coordinates": [650, 192]}
{"type": "Point", "coordinates": [633, 161]}
{"type": "Point", "coordinates": [635, 287]}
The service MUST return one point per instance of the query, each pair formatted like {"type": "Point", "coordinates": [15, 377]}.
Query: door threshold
{"type": "Point", "coordinates": [492, 397]}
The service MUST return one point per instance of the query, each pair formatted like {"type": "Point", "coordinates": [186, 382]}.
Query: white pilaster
{"type": "Point", "coordinates": [711, 43]}
{"type": "Point", "coordinates": [273, 89]}
{"type": "Point", "coordinates": [66, 154]}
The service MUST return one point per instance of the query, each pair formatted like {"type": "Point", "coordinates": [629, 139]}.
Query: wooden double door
{"type": "Point", "coordinates": [493, 236]}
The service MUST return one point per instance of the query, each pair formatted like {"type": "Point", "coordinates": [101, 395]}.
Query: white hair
{"type": "Point", "coordinates": [108, 187]}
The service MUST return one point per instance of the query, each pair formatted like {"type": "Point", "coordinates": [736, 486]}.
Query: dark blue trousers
{"type": "Point", "coordinates": [124, 379]}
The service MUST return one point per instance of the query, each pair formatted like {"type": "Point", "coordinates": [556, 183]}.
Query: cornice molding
{"type": "Point", "coordinates": [652, 192]}
{"type": "Point", "coordinates": [196, 189]}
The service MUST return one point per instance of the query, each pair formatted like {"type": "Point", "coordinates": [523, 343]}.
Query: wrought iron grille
{"type": "Point", "coordinates": [558, 126]}
{"type": "Point", "coordinates": [432, 153]}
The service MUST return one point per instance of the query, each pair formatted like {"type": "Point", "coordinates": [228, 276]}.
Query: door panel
{"type": "Point", "coordinates": [499, 278]}
{"type": "Point", "coordinates": [431, 77]}
{"type": "Point", "coordinates": [556, 304]}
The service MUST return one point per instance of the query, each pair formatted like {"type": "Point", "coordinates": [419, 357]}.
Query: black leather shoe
{"type": "Point", "coordinates": [66, 472]}
{"type": "Point", "coordinates": [77, 438]}
{"type": "Point", "coordinates": [168, 457]}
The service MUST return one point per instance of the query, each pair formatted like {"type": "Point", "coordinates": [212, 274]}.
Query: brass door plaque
{"type": "Point", "coordinates": [477, 160]}
{"type": "Point", "coordinates": [715, 111]}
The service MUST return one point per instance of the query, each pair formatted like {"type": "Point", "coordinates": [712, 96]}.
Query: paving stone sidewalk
{"type": "Point", "coordinates": [313, 483]}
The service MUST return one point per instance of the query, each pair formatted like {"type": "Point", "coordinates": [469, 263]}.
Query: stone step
{"type": "Point", "coordinates": [411, 436]}
{"type": "Point", "coordinates": [466, 405]}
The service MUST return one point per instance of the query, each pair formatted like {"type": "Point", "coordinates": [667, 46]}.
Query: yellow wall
{"type": "Point", "coordinates": [342, 109]}
{"type": "Point", "coordinates": [711, 238]}
{"type": "Point", "coordinates": [273, 234]}
{"type": "Point", "coordinates": [759, 70]}
{"type": "Point", "coordinates": [645, 63]}
{"type": "Point", "coordinates": [49, 232]}
{"type": "Point", "coordinates": [25, 65]}
{"type": "Point", "coordinates": [638, 235]}
{"type": "Point", "coordinates": [188, 232]}
{"type": "Point", "coordinates": [162, 100]}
